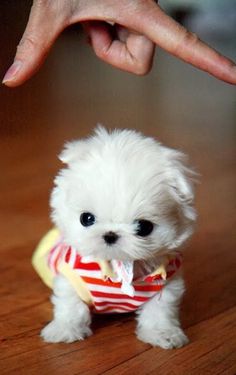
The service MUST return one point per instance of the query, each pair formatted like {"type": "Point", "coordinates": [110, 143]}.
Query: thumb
{"type": "Point", "coordinates": [43, 28]}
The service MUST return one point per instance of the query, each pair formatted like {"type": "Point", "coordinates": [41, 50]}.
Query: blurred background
{"type": "Point", "coordinates": [180, 105]}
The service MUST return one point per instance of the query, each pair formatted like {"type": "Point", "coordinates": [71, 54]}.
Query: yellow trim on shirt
{"type": "Point", "coordinates": [39, 261]}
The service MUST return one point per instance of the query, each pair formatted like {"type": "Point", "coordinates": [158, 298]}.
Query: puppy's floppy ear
{"type": "Point", "coordinates": [181, 180]}
{"type": "Point", "coordinates": [80, 149]}
{"type": "Point", "coordinates": [73, 151]}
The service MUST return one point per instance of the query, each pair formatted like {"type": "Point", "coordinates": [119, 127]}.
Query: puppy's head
{"type": "Point", "coordinates": [123, 196]}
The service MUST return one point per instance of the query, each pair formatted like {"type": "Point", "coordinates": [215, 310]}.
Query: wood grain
{"type": "Point", "coordinates": [215, 344]}
{"type": "Point", "coordinates": [183, 108]}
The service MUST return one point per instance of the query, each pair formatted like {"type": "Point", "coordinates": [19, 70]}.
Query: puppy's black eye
{"type": "Point", "coordinates": [87, 219]}
{"type": "Point", "coordinates": [144, 227]}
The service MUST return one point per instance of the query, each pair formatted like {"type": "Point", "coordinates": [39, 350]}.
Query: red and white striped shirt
{"type": "Point", "coordinates": [106, 295]}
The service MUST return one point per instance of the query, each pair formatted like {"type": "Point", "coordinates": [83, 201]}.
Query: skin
{"type": "Point", "coordinates": [138, 26]}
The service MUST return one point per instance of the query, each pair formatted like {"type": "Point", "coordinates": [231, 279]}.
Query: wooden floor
{"type": "Point", "coordinates": [183, 108]}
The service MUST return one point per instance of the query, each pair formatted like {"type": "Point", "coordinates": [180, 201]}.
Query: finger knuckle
{"type": "Point", "coordinates": [60, 10]}
{"type": "Point", "coordinates": [28, 43]}
{"type": "Point", "coordinates": [43, 3]}
{"type": "Point", "coordinates": [142, 68]}
{"type": "Point", "coordinates": [189, 39]}
{"type": "Point", "coordinates": [102, 53]}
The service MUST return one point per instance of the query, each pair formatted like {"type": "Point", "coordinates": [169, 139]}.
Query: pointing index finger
{"type": "Point", "coordinates": [44, 26]}
{"type": "Point", "coordinates": [175, 39]}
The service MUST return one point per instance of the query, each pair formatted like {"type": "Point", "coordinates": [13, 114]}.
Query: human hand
{"type": "Point", "coordinates": [138, 26]}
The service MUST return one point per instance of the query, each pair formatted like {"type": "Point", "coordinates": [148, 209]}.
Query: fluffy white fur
{"type": "Point", "coordinates": [121, 177]}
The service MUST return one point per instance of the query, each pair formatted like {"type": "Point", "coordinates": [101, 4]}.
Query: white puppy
{"type": "Point", "coordinates": [122, 206]}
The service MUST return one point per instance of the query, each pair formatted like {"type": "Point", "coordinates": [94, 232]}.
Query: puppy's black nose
{"type": "Point", "coordinates": [110, 238]}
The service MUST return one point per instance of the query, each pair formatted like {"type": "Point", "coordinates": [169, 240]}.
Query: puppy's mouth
{"type": "Point", "coordinates": [115, 252]}
{"type": "Point", "coordinates": [108, 252]}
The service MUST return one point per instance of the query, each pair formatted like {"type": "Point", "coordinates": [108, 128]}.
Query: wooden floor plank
{"type": "Point", "coordinates": [212, 352]}
{"type": "Point", "coordinates": [94, 355]}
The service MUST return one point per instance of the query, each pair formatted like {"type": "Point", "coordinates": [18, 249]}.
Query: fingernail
{"type": "Point", "coordinates": [12, 71]}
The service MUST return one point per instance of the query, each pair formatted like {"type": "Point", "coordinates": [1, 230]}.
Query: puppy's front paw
{"type": "Point", "coordinates": [61, 332]}
{"type": "Point", "coordinates": [166, 338]}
